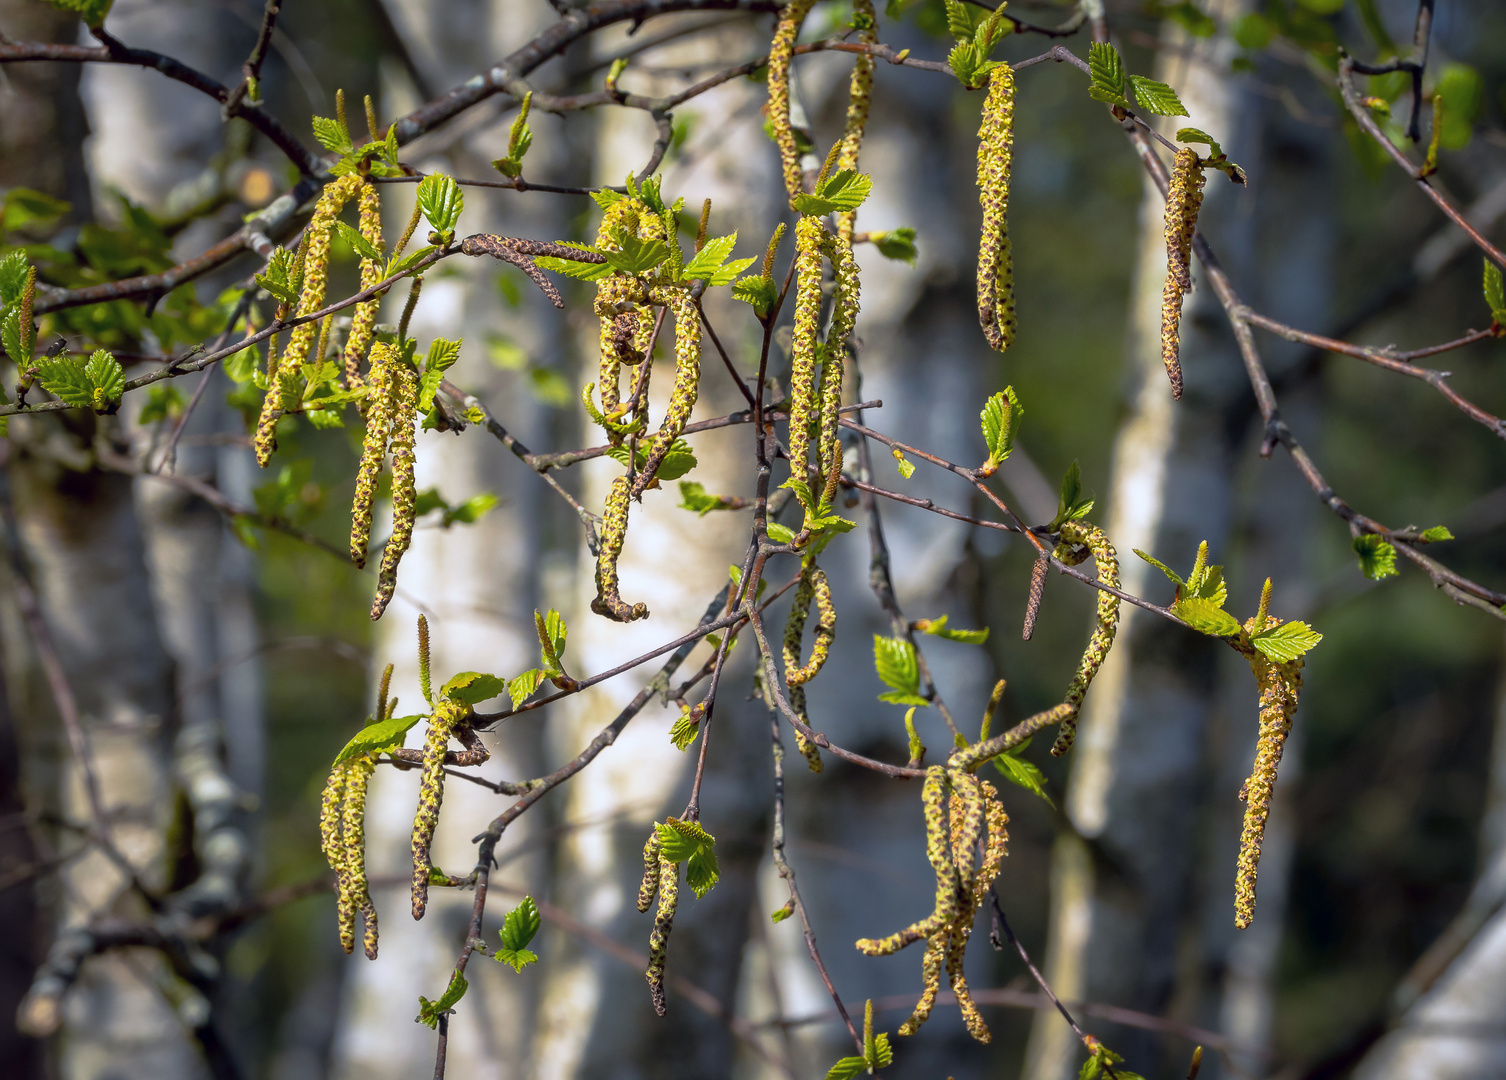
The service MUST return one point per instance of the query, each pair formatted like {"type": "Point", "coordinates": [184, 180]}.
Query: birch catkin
{"type": "Point", "coordinates": [780, 52]}
{"type": "Point", "coordinates": [1183, 201]}
{"type": "Point", "coordinates": [859, 99]}
{"type": "Point", "coordinates": [609, 600]}
{"type": "Point", "coordinates": [363, 319]}
{"type": "Point", "coordinates": [404, 412]}
{"type": "Point", "coordinates": [448, 713]}
{"type": "Point", "coordinates": [1105, 624]}
{"type": "Point", "coordinates": [1280, 685]}
{"type": "Point", "coordinates": [809, 237]}
{"type": "Point", "coordinates": [996, 313]}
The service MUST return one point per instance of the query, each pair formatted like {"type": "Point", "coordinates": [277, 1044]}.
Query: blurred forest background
{"type": "Point", "coordinates": [1391, 809]}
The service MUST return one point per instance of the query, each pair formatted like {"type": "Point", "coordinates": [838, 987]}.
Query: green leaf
{"type": "Point", "coordinates": [999, 418]}
{"type": "Point", "coordinates": [687, 842]}
{"type": "Point", "coordinates": [441, 201]}
{"type": "Point", "coordinates": [1023, 773]}
{"type": "Point", "coordinates": [470, 511]}
{"type": "Point", "coordinates": [780, 534]}
{"type": "Point", "coordinates": [728, 271]}
{"type": "Point", "coordinates": [938, 627]}
{"type": "Point", "coordinates": [710, 258]}
{"type": "Point", "coordinates": [96, 384]}
{"type": "Point", "coordinates": [24, 206]}
{"type": "Point", "coordinates": [894, 660]}
{"type": "Point", "coordinates": [635, 255]}
{"type": "Point", "coordinates": [683, 731]}
{"type": "Point", "coordinates": [378, 737]}
{"type": "Point", "coordinates": [519, 139]}
{"type": "Point", "coordinates": [1206, 617]}
{"type": "Point", "coordinates": [679, 461]}
{"type": "Point", "coordinates": [1377, 558]}
{"type": "Point", "coordinates": [906, 466]}
{"type": "Point", "coordinates": [846, 1068]}
{"type": "Point", "coordinates": [693, 497]}
{"type": "Point", "coordinates": [362, 246]}
{"type": "Point", "coordinates": [429, 1012]}
{"type": "Point", "coordinates": [1171, 574]}
{"type": "Point", "coordinates": [1194, 135]}
{"type": "Point", "coordinates": [1157, 97]}
{"type": "Point", "coordinates": [897, 244]}
{"type": "Point", "coordinates": [13, 270]}
{"type": "Point", "coordinates": [470, 687]}
{"type": "Point", "coordinates": [878, 1054]}
{"type": "Point", "coordinates": [1435, 534]}
{"type": "Point", "coordinates": [785, 912]}
{"type": "Point", "coordinates": [1495, 292]}
{"type": "Point", "coordinates": [402, 264]}
{"type": "Point", "coordinates": [93, 12]}
{"type": "Point", "coordinates": [1286, 642]}
{"type": "Point", "coordinates": [520, 925]}
{"type": "Point", "coordinates": [332, 135]}
{"type": "Point", "coordinates": [15, 347]}
{"type": "Point", "coordinates": [963, 20]}
{"type": "Point", "coordinates": [1070, 506]}
{"type": "Point", "coordinates": [163, 401]}
{"type": "Point", "coordinates": [523, 687]}
{"type": "Point", "coordinates": [754, 290]}
{"type": "Point", "coordinates": [1106, 74]}
{"type": "Point", "coordinates": [843, 192]}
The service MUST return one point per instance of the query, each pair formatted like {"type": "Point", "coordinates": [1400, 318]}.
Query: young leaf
{"type": "Point", "coordinates": [679, 461]}
{"type": "Point", "coordinates": [939, 628]}
{"type": "Point", "coordinates": [687, 842]}
{"type": "Point", "coordinates": [683, 731]}
{"type": "Point", "coordinates": [362, 246]}
{"type": "Point", "coordinates": [519, 139]}
{"type": "Point", "coordinates": [780, 534]}
{"type": "Point", "coordinates": [13, 277]}
{"type": "Point", "coordinates": [1194, 135]}
{"type": "Point", "coordinates": [1023, 773]}
{"type": "Point", "coordinates": [906, 466]}
{"type": "Point", "coordinates": [897, 244]}
{"type": "Point", "coordinates": [963, 20]}
{"type": "Point", "coordinates": [917, 748]}
{"type": "Point", "coordinates": [693, 497]}
{"type": "Point", "coordinates": [429, 1012]}
{"type": "Point", "coordinates": [378, 737]}
{"type": "Point", "coordinates": [1157, 97]}
{"type": "Point", "coordinates": [1106, 74]}
{"type": "Point", "coordinates": [1377, 558]}
{"type": "Point", "coordinates": [1435, 534]}
{"type": "Point", "coordinates": [1071, 506]}
{"type": "Point", "coordinates": [441, 201]}
{"type": "Point", "coordinates": [552, 634]}
{"type": "Point", "coordinates": [894, 660]}
{"type": "Point", "coordinates": [518, 929]}
{"type": "Point", "coordinates": [1171, 574]}
{"type": "Point", "coordinates": [844, 191]}
{"type": "Point", "coordinates": [332, 135]}
{"type": "Point", "coordinates": [521, 688]}
{"type": "Point", "coordinates": [634, 255]}
{"type": "Point", "coordinates": [442, 354]}
{"type": "Point", "coordinates": [847, 1068]}
{"type": "Point", "coordinates": [1286, 642]}
{"type": "Point", "coordinates": [756, 291]}
{"type": "Point", "coordinates": [710, 258]}
{"type": "Point", "coordinates": [1495, 292]}
{"type": "Point", "coordinates": [1206, 617]}
{"type": "Point", "coordinates": [470, 511]}
{"type": "Point", "coordinates": [999, 418]}
{"type": "Point", "coordinates": [470, 687]}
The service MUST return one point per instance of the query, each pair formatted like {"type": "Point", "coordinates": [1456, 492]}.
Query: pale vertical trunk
{"type": "Point", "coordinates": [1119, 886]}
{"type": "Point", "coordinates": [596, 1019]}
{"type": "Point", "coordinates": [477, 584]}
{"type": "Point", "coordinates": [1455, 997]}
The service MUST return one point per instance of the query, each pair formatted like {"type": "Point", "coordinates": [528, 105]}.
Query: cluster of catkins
{"type": "Point", "coordinates": [343, 809]}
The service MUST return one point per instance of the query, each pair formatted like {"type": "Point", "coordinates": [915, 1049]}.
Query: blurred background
{"type": "Point", "coordinates": [1384, 869]}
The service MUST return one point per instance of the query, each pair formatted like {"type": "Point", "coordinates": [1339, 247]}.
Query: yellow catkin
{"type": "Point", "coordinates": [846, 302]}
{"type": "Point", "coordinates": [609, 600]}
{"type": "Point", "coordinates": [780, 53]}
{"type": "Point", "coordinates": [808, 747]}
{"type": "Point", "coordinates": [930, 970]}
{"type": "Point", "coordinates": [626, 321]}
{"type": "Point", "coordinates": [859, 99]}
{"type": "Point", "coordinates": [813, 586]}
{"type": "Point", "coordinates": [363, 318]}
{"type": "Point", "coordinates": [353, 834]}
{"type": "Point", "coordinates": [1105, 625]}
{"type": "Point", "coordinates": [996, 313]}
{"type": "Point", "coordinates": [1037, 591]}
{"type": "Point", "coordinates": [447, 714]}
{"type": "Point", "coordinates": [384, 363]}
{"type": "Point", "coordinates": [682, 397]}
{"type": "Point", "coordinates": [1280, 685]}
{"type": "Point", "coordinates": [658, 938]}
{"type": "Point", "coordinates": [649, 890]}
{"type": "Point", "coordinates": [404, 411]}
{"type": "Point", "coordinates": [1183, 201]}
{"type": "Point", "coordinates": [315, 280]}
{"type": "Point", "coordinates": [330, 806]}
{"type": "Point", "coordinates": [810, 236]}
{"type": "Point", "coordinates": [933, 798]}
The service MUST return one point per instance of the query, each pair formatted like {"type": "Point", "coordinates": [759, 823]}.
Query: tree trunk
{"type": "Point", "coordinates": [1119, 883]}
